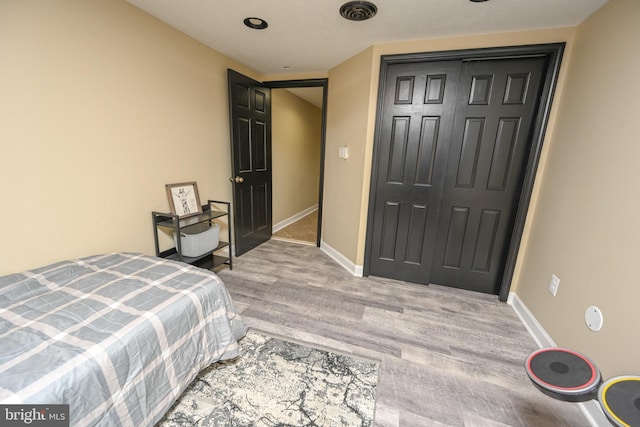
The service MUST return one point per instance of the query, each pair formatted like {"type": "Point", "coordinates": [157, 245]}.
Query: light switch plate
{"type": "Point", "coordinates": [554, 284]}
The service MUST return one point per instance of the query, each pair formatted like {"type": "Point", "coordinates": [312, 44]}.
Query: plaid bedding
{"type": "Point", "coordinates": [118, 337]}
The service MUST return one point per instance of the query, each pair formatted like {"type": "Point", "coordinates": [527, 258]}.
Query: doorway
{"type": "Point", "coordinates": [314, 91]}
{"type": "Point", "coordinates": [251, 157]}
{"type": "Point", "coordinates": [296, 151]}
{"type": "Point", "coordinates": [458, 138]}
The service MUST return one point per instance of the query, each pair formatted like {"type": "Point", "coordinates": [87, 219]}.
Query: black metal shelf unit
{"type": "Point", "coordinates": [209, 260]}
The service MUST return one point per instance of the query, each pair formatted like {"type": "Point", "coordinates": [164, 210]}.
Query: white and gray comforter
{"type": "Point", "coordinates": [117, 337]}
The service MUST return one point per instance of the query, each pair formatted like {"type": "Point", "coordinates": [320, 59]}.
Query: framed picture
{"type": "Point", "coordinates": [184, 199]}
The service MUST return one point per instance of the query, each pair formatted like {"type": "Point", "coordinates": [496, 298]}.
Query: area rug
{"type": "Point", "coordinates": [279, 383]}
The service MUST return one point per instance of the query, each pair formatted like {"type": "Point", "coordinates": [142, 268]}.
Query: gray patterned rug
{"type": "Point", "coordinates": [279, 383]}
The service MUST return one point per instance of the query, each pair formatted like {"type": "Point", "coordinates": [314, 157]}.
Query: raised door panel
{"type": "Point", "coordinates": [398, 149]}
{"type": "Point", "coordinates": [485, 240]}
{"type": "Point", "coordinates": [456, 232]}
{"type": "Point", "coordinates": [427, 149]}
{"type": "Point", "coordinates": [245, 219]}
{"type": "Point", "coordinates": [417, 234]}
{"type": "Point", "coordinates": [390, 223]}
{"type": "Point", "coordinates": [261, 206]}
{"type": "Point", "coordinates": [245, 163]}
{"type": "Point", "coordinates": [260, 147]}
{"type": "Point", "coordinates": [404, 89]}
{"type": "Point", "coordinates": [503, 153]}
{"type": "Point", "coordinates": [472, 139]}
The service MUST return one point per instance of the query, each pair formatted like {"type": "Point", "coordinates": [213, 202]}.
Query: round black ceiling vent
{"type": "Point", "coordinates": [358, 10]}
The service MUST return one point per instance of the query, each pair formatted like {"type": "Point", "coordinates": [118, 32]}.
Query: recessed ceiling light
{"type": "Point", "coordinates": [256, 23]}
{"type": "Point", "coordinates": [478, 1]}
{"type": "Point", "coordinates": [358, 10]}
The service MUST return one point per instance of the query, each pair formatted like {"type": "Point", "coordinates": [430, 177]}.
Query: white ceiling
{"type": "Point", "coordinates": [311, 36]}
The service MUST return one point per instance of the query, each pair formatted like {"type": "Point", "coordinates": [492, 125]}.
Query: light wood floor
{"type": "Point", "coordinates": [447, 357]}
{"type": "Point", "coordinates": [303, 230]}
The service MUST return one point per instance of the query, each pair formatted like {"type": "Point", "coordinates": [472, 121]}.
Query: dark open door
{"type": "Point", "coordinates": [250, 115]}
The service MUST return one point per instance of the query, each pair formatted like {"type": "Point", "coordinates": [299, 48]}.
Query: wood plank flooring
{"type": "Point", "coordinates": [447, 357]}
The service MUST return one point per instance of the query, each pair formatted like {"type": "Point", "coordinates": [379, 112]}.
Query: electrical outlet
{"type": "Point", "coordinates": [554, 284]}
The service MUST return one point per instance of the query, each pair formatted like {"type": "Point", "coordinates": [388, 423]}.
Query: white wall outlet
{"type": "Point", "coordinates": [553, 285]}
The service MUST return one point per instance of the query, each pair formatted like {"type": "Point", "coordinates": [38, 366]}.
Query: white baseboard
{"type": "Point", "coordinates": [282, 224]}
{"type": "Point", "coordinates": [356, 270]}
{"type": "Point", "coordinates": [542, 338]}
{"type": "Point", "coordinates": [591, 409]}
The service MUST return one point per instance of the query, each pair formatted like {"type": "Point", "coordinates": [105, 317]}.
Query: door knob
{"type": "Point", "coordinates": [237, 179]}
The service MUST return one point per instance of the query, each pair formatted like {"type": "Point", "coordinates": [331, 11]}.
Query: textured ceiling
{"type": "Point", "coordinates": [311, 36]}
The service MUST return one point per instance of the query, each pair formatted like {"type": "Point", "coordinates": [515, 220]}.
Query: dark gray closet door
{"type": "Point", "coordinates": [418, 107]}
{"type": "Point", "coordinates": [491, 139]}
{"type": "Point", "coordinates": [454, 143]}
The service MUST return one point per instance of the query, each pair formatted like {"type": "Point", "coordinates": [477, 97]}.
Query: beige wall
{"type": "Point", "coordinates": [348, 112]}
{"type": "Point", "coordinates": [101, 106]}
{"type": "Point", "coordinates": [296, 137]}
{"type": "Point", "coordinates": [586, 227]}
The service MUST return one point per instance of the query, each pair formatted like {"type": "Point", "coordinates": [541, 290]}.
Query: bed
{"type": "Point", "coordinates": [118, 337]}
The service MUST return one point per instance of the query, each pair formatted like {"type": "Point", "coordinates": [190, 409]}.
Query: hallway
{"type": "Point", "coordinates": [302, 231]}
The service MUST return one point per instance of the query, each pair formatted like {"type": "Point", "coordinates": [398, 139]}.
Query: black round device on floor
{"type": "Point", "coordinates": [563, 374]}
{"type": "Point", "coordinates": [619, 398]}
